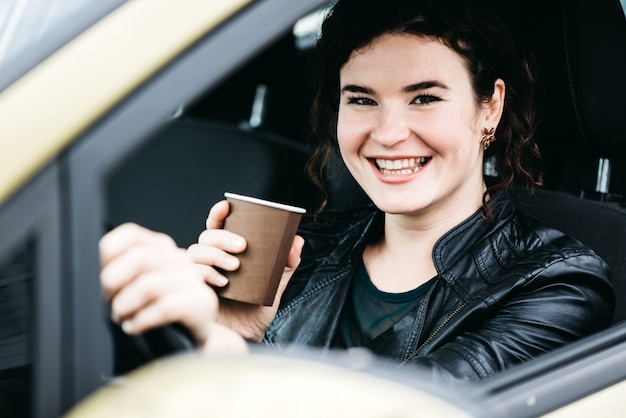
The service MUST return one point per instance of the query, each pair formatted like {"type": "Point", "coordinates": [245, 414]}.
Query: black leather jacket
{"type": "Point", "coordinates": [505, 292]}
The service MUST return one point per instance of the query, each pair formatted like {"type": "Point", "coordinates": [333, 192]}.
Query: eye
{"type": "Point", "coordinates": [361, 101]}
{"type": "Point", "coordinates": [425, 99]}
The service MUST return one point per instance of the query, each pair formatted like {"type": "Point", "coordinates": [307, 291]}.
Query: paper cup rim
{"type": "Point", "coordinates": [263, 202]}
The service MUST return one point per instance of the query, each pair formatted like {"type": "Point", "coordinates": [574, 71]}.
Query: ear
{"type": "Point", "coordinates": [495, 106]}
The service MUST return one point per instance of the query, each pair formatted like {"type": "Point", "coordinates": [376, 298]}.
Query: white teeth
{"type": "Point", "coordinates": [403, 167]}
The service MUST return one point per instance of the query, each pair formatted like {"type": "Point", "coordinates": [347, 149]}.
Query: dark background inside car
{"type": "Point", "coordinates": [170, 184]}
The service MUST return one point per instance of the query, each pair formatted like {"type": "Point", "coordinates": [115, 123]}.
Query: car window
{"type": "Point", "coordinates": [31, 30]}
{"type": "Point", "coordinates": [262, 105]}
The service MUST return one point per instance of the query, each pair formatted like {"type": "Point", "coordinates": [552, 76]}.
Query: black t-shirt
{"type": "Point", "coordinates": [369, 312]}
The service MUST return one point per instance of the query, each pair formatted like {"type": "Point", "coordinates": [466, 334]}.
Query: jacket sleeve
{"type": "Point", "coordinates": [563, 302]}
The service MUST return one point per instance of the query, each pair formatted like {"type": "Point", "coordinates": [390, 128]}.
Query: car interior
{"type": "Point", "coordinates": [581, 60]}
{"type": "Point", "coordinates": [248, 135]}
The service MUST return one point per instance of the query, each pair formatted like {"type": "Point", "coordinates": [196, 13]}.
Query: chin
{"type": "Point", "coordinates": [398, 208]}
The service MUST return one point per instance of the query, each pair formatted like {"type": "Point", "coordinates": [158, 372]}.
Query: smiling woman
{"type": "Point", "coordinates": [428, 81]}
{"type": "Point", "coordinates": [442, 272]}
{"type": "Point", "coordinates": [406, 98]}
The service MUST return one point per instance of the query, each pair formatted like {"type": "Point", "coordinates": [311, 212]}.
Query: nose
{"type": "Point", "coordinates": [391, 127]}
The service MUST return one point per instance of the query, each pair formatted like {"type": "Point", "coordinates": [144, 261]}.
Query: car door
{"type": "Point", "coordinates": [66, 123]}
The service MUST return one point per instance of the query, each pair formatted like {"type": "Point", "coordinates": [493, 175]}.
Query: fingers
{"type": "Point", "coordinates": [217, 215]}
{"type": "Point", "coordinates": [215, 248]}
{"type": "Point", "coordinates": [144, 290]}
{"type": "Point", "coordinates": [223, 240]}
{"type": "Point", "coordinates": [195, 309]}
{"type": "Point", "coordinates": [129, 250]}
{"type": "Point", "coordinates": [213, 251]}
{"type": "Point", "coordinates": [127, 235]}
{"type": "Point", "coordinates": [151, 282]}
{"type": "Point", "coordinates": [212, 276]}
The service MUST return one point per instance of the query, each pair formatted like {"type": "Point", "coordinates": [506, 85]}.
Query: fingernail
{"type": "Point", "coordinates": [238, 242]}
{"type": "Point", "coordinates": [232, 262]}
{"type": "Point", "coordinates": [127, 328]}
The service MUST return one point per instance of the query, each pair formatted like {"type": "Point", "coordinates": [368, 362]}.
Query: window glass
{"type": "Point", "coordinates": [30, 30]}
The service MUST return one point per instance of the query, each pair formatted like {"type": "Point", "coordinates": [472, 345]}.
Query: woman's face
{"type": "Point", "coordinates": [409, 126]}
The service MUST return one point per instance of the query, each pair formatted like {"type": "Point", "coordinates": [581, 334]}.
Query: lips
{"type": "Point", "coordinates": [403, 166]}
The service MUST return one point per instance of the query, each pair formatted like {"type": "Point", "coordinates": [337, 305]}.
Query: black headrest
{"type": "Point", "coordinates": [595, 42]}
{"type": "Point", "coordinates": [580, 49]}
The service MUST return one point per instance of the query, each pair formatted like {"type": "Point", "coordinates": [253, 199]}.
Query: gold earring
{"type": "Point", "coordinates": [488, 137]}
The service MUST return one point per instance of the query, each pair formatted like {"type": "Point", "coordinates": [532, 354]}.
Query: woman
{"type": "Point", "coordinates": [442, 271]}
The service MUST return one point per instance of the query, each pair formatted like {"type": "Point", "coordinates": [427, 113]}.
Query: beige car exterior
{"type": "Point", "coordinates": [78, 84]}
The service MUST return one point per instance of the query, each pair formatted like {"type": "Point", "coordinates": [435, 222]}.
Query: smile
{"type": "Point", "coordinates": [402, 166]}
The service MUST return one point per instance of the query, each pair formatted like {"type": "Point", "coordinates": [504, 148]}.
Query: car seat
{"type": "Point", "coordinates": [170, 184]}
{"type": "Point", "coordinates": [582, 55]}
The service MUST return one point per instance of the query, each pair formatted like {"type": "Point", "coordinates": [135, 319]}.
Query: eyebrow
{"type": "Point", "coordinates": [424, 85]}
{"type": "Point", "coordinates": [354, 88]}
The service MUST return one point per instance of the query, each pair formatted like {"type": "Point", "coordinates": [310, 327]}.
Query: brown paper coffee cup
{"type": "Point", "coordinates": [269, 229]}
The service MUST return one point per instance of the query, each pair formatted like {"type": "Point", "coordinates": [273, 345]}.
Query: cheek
{"type": "Point", "coordinates": [458, 134]}
{"type": "Point", "coordinates": [346, 132]}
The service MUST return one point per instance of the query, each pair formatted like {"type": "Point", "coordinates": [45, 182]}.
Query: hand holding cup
{"type": "Point", "coordinates": [249, 252]}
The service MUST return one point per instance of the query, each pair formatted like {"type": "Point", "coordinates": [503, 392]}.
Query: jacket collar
{"type": "Point", "coordinates": [457, 242]}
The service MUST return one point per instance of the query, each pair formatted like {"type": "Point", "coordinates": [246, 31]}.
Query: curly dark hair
{"type": "Point", "coordinates": [470, 29]}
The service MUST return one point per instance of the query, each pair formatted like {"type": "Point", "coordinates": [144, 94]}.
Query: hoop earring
{"type": "Point", "coordinates": [488, 137]}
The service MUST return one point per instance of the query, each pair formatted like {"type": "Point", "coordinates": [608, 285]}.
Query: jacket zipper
{"type": "Point", "coordinates": [434, 334]}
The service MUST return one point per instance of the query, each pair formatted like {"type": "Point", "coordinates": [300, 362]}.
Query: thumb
{"type": "Point", "coordinates": [294, 253]}
{"type": "Point", "coordinates": [292, 263]}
